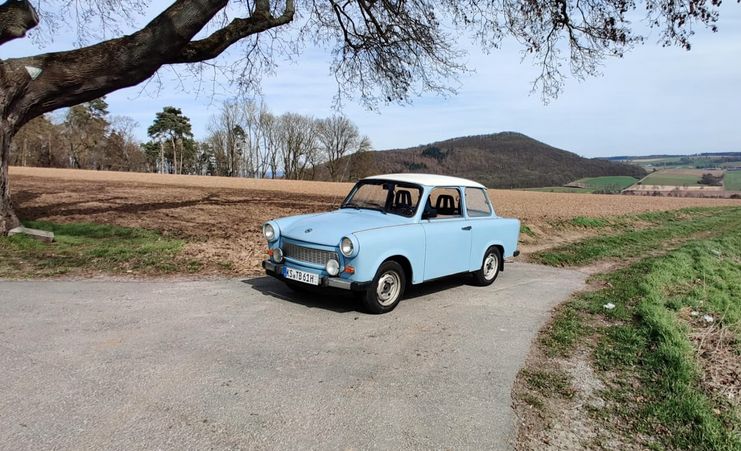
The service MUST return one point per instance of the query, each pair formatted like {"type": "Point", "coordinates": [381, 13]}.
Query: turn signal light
{"type": "Point", "coordinates": [349, 269]}
{"type": "Point", "coordinates": [269, 252]}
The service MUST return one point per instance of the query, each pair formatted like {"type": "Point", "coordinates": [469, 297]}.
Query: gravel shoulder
{"type": "Point", "coordinates": [248, 364]}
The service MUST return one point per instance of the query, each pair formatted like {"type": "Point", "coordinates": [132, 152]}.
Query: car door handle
{"type": "Point", "coordinates": [466, 228]}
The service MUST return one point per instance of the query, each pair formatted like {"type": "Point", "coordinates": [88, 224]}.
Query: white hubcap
{"type": "Point", "coordinates": [491, 266]}
{"type": "Point", "coordinates": [389, 286]}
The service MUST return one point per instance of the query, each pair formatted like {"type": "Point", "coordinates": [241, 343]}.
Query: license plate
{"type": "Point", "coordinates": [301, 276]}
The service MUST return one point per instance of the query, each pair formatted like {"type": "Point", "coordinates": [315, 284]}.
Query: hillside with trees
{"type": "Point", "coordinates": [245, 139]}
{"type": "Point", "coordinates": [500, 160]}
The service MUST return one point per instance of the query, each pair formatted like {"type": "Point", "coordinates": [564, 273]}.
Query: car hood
{"type": "Point", "coordinates": [329, 228]}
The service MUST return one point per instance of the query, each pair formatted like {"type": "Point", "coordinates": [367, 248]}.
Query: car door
{"type": "Point", "coordinates": [447, 235]}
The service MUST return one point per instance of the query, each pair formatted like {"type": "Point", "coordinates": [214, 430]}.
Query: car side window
{"type": "Point", "coordinates": [477, 204]}
{"type": "Point", "coordinates": [446, 202]}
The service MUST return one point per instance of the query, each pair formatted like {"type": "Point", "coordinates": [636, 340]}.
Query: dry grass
{"type": "Point", "coordinates": [221, 217]}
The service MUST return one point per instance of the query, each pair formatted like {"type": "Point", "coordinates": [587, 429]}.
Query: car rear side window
{"type": "Point", "coordinates": [477, 204]}
{"type": "Point", "coordinates": [446, 202]}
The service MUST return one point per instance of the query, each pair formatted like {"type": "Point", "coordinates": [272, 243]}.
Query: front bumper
{"type": "Point", "coordinates": [276, 270]}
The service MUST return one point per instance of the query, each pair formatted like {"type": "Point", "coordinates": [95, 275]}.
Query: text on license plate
{"type": "Point", "coordinates": [301, 276]}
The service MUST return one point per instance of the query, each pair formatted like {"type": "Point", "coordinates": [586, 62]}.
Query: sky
{"type": "Point", "coordinates": [653, 100]}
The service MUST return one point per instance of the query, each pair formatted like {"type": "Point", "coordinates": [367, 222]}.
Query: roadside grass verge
{"type": "Point", "coordinates": [627, 240]}
{"type": "Point", "coordinates": [658, 393]}
{"type": "Point", "coordinates": [84, 248]}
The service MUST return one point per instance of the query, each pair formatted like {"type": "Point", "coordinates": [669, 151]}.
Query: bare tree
{"type": "Point", "coordinates": [124, 152]}
{"type": "Point", "coordinates": [298, 144]}
{"type": "Point", "coordinates": [384, 50]}
{"type": "Point", "coordinates": [227, 139]}
{"type": "Point", "coordinates": [270, 143]}
{"type": "Point", "coordinates": [339, 137]}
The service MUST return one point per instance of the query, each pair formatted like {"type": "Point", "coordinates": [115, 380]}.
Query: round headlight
{"type": "Point", "coordinates": [333, 267]}
{"type": "Point", "coordinates": [277, 255]}
{"type": "Point", "coordinates": [346, 247]}
{"type": "Point", "coordinates": [269, 232]}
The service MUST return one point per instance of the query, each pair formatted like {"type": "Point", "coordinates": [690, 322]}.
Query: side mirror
{"type": "Point", "coordinates": [429, 213]}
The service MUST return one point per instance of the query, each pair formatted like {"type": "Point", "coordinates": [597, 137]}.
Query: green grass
{"type": "Point", "coordinates": [669, 178]}
{"type": "Point", "coordinates": [732, 181]}
{"type": "Point", "coordinates": [641, 347]}
{"type": "Point", "coordinates": [549, 383]}
{"type": "Point", "coordinates": [615, 181]}
{"type": "Point", "coordinates": [81, 248]}
{"type": "Point", "coordinates": [526, 230]}
{"type": "Point", "coordinates": [628, 241]}
{"type": "Point", "coordinates": [646, 340]}
{"type": "Point", "coordinates": [588, 222]}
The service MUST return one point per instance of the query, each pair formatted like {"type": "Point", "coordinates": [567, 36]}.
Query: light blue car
{"type": "Point", "coordinates": [392, 231]}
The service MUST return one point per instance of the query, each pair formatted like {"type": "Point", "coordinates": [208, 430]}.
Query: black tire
{"type": "Point", "coordinates": [391, 280]}
{"type": "Point", "coordinates": [491, 266]}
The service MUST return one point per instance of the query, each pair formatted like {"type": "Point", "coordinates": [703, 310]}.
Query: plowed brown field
{"type": "Point", "coordinates": [221, 217]}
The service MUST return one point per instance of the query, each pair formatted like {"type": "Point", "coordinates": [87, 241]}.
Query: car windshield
{"type": "Point", "coordinates": [385, 196]}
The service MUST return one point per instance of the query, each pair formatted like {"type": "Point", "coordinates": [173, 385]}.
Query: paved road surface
{"type": "Point", "coordinates": [247, 364]}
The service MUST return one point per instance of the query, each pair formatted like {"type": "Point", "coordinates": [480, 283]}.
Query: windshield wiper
{"type": "Point", "coordinates": [381, 209]}
{"type": "Point", "coordinates": [364, 207]}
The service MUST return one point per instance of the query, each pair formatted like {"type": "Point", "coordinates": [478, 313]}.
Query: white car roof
{"type": "Point", "coordinates": [428, 180]}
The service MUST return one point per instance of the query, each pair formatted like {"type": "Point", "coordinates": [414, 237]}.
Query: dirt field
{"type": "Point", "coordinates": [221, 217]}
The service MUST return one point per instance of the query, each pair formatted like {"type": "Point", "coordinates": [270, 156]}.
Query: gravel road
{"type": "Point", "coordinates": [247, 364]}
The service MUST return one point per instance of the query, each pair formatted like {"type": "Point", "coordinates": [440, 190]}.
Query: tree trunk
{"type": "Point", "coordinates": [174, 156]}
{"type": "Point", "coordinates": [8, 219]}
{"type": "Point", "coordinates": [162, 158]}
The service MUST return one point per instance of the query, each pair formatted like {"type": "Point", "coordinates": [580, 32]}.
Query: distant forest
{"type": "Point", "coordinates": [246, 140]}
{"type": "Point", "coordinates": [726, 156]}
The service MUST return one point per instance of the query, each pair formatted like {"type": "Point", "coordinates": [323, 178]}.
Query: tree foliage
{"type": "Point", "coordinates": [383, 50]}
{"type": "Point", "coordinates": [174, 136]}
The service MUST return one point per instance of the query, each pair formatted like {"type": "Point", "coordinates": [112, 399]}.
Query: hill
{"type": "Point", "coordinates": [501, 160]}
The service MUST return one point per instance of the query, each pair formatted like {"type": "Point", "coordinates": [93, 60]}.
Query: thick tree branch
{"type": "Point", "coordinates": [71, 77]}
{"type": "Point", "coordinates": [16, 18]}
{"type": "Point", "coordinates": [212, 46]}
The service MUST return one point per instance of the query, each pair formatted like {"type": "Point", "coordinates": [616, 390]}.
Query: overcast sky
{"type": "Point", "coordinates": [654, 100]}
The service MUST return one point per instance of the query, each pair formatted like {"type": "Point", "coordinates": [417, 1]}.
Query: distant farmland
{"type": "Point", "coordinates": [674, 177]}
{"type": "Point", "coordinates": [732, 180]}
{"type": "Point", "coordinates": [677, 182]}
{"type": "Point", "coordinates": [606, 184]}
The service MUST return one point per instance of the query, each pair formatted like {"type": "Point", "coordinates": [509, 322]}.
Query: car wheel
{"type": "Point", "coordinates": [387, 288]}
{"type": "Point", "coordinates": [490, 267]}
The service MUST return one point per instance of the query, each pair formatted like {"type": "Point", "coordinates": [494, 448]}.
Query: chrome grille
{"type": "Point", "coordinates": [307, 254]}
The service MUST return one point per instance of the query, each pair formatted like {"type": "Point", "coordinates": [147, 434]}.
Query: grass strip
{"type": "Point", "coordinates": [660, 228]}
{"type": "Point", "coordinates": [645, 339]}
{"type": "Point", "coordinates": [83, 247]}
